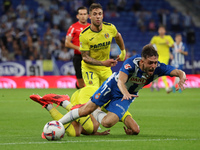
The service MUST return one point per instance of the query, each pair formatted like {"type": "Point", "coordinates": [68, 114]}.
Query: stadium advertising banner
{"type": "Point", "coordinates": [41, 82]}
{"type": "Point", "coordinates": [45, 82]}
{"type": "Point", "coordinates": [21, 68]}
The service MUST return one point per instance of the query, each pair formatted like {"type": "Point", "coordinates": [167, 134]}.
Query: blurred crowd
{"type": "Point", "coordinates": [27, 33]}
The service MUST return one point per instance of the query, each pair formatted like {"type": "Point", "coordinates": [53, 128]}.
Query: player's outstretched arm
{"type": "Point", "coordinates": [123, 77]}
{"type": "Point", "coordinates": [132, 128]}
{"type": "Point", "coordinates": [87, 59]}
{"type": "Point", "coordinates": [120, 42]}
{"type": "Point", "coordinates": [182, 76]}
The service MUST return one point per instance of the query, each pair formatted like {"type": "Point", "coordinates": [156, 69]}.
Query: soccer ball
{"type": "Point", "coordinates": [54, 130]}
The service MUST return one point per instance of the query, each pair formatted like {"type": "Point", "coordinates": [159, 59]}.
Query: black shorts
{"type": "Point", "coordinates": [77, 65]}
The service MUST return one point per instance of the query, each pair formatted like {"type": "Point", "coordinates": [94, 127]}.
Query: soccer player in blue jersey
{"type": "Point", "coordinates": [179, 51]}
{"type": "Point", "coordinates": [121, 88]}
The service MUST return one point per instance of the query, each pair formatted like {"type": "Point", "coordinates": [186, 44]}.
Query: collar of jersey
{"type": "Point", "coordinates": [96, 31]}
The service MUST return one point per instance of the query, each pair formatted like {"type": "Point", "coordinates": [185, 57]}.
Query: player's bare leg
{"type": "Point", "coordinates": [110, 120]}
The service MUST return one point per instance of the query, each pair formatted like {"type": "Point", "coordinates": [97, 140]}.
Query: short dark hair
{"type": "Point", "coordinates": [149, 51]}
{"type": "Point", "coordinates": [162, 26]}
{"type": "Point", "coordinates": [82, 7]}
{"type": "Point", "coordinates": [95, 6]}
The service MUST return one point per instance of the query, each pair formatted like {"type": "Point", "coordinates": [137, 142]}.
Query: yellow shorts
{"type": "Point", "coordinates": [83, 95]}
{"type": "Point", "coordinates": [95, 77]}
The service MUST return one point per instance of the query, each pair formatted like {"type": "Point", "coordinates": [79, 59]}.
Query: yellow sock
{"type": "Point", "coordinates": [69, 106]}
{"type": "Point", "coordinates": [164, 78]}
{"type": "Point", "coordinates": [69, 128]}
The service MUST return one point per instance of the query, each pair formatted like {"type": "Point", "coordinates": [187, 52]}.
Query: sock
{"type": "Point", "coordinates": [70, 116]}
{"type": "Point", "coordinates": [67, 105]}
{"type": "Point", "coordinates": [164, 78]}
{"type": "Point", "coordinates": [55, 114]}
{"type": "Point", "coordinates": [49, 107]}
{"type": "Point", "coordinates": [69, 128]}
{"type": "Point", "coordinates": [99, 115]}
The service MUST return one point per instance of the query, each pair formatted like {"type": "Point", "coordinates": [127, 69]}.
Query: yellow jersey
{"type": "Point", "coordinates": [98, 43]}
{"type": "Point", "coordinates": [162, 47]}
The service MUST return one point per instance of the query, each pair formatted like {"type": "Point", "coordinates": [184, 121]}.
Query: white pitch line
{"type": "Point", "coordinates": [97, 141]}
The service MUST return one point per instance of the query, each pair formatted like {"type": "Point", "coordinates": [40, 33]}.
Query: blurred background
{"type": "Point", "coordinates": [32, 32]}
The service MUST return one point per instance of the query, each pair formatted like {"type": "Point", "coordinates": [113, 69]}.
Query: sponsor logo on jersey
{"type": "Point", "coordinates": [106, 35]}
{"type": "Point", "coordinates": [138, 80]}
{"type": "Point", "coordinates": [91, 39]}
{"type": "Point", "coordinates": [7, 83]}
{"type": "Point", "coordinates": [127, 66]}
{"type": "Point", "coordinates": [90, 82]}
{"type": "Point", "coordinates": [98, 46]}
{"type": "Point", "coordinates": [97, 96]}
{"type": "Point", "coordinates": [36, 83]}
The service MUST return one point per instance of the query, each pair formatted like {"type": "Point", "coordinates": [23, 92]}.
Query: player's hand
{"type": "Point", "coordinates": [128, 131]}
{"type": "Point", "coordinates": [128, 96]}
{"type": "Point", "coordinates": [109, 63]}
{"type": "Point", "coordinates": [181, 84]}
{"type": "Point", "coordinates": [103, 133]}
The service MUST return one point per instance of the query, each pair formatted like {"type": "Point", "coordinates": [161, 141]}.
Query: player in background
{"type": "Point", "coordinates": [85, 125]}
{"type": "Point", "coordinates": [179, 51]}
{"type": "Point", "coordinates": [163, 43]}
{"type": "Point", "coordinates": [122, 87]}
{"type": "Point", "coordinates": [72, 41]}
{"type": "Point", "coordinates": [95, 42]}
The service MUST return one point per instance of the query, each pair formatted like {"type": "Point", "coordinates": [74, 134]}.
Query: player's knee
{"type": "Point", "coordinates": [107, 124]}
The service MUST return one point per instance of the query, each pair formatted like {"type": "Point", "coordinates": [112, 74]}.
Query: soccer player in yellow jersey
{"type": "Point", "coordinates": [163, 43]}
{"type": "Point", "coordinates": [85, 125]}
{"type": "Point", "coordinates": [95, 41]}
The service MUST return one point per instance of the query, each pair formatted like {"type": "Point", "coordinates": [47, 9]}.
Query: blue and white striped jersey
{"type": "Point", "coordinates": [179, 59]}
{"type": "Point", "coordinates": [137, 79]}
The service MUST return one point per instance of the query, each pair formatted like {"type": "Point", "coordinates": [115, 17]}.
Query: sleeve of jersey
{"type": "Point", "coordinates": [127, 66]}
{"type": "Point", "coordinates": [70, 31]}
{"type": "Point", "coordinates": [114, 30]}
{"type": "Point", "coordinates": [152, 40]}
{"type": "Point", "coordinates": [84, 46]}
{"type": "Point", "coordinates": [165, 69]}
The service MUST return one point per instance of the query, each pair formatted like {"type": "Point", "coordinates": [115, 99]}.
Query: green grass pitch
{"type": "Point", "coordinates": [167, 122]}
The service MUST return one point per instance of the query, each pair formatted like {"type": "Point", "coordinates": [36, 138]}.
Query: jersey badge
{"type": "Point", "coordinates": [97, 96]}
{"type": "Point", "coordinates": [127, 66]}
{"type": "Point", "coordinates": [106, 35]}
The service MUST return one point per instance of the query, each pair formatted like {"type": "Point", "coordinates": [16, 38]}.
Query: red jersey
{"type": "Point", "coordinates": [74, 32]}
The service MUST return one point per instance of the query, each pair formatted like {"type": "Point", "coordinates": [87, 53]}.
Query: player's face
{"type": "Point", "coordinates": [161, 31]}
{"type": "Point", "coordinates": [96, 16]}
{"type": "Point", "coordinates": [82, 16]}
{"type": "Point", "coordinates": [178, 39]}
{"type": "Point", "coordinates": [149, 65]}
